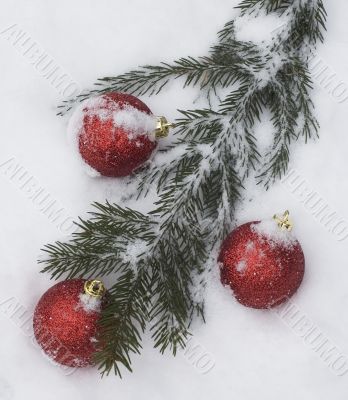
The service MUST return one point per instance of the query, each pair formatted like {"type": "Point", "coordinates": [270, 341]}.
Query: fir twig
{"type": "Point", "coordinates": [159, 261]}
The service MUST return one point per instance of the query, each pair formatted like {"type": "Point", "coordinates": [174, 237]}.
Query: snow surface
{"type": "Point", "coordinates": [239, 353]}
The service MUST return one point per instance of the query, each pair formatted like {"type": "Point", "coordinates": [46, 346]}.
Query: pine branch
{"type": "Point", "coordinates": [96, 248]}
{"type": "Point", "coordinates": [124, 320]}
{"type": "Point", "coordinates": [160, 261]}
{"type": "Point", "coordinates": [253, 6]}
{"type": "Point", "coordinates": [150, 80]}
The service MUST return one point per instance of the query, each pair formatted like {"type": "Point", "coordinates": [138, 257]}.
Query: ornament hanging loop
{"type": "Point", "coordinates": [283, 221]}
{"type": "Point", "coordinates": [94, 288]}
{"type": "Point", "coordinates": [162, 127]}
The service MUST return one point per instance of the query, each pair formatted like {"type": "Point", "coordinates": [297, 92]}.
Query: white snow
{"type": "Point", "coordinates": [89, 303]}
{"type": "Point", "coordinates": [269, 229]}
{"type": "Point", "coordinates": [257, 30]}
{"type": "Point", "coordinates": [133, 251]}
{"type": "Point", "coordinates": [241, 265]}
{"type": "Point", "coordinates": [137, 122]}
{"type": "Point", "coordinates": [256, 355]}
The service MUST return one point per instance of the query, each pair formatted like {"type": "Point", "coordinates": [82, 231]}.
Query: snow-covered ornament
{"type": "Point", "coordinates": [116, 133]}
{"type": "Point", "coordinates": [65, 321]}
{"type": "Point", "coordinates": [262, 262]}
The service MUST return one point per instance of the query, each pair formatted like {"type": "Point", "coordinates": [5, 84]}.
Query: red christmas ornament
{"type": "Point", "coordinates": [65, 321]}
{"type": "Point", "coordinates": [262, 262]}
{"type": "Point", "coordinates": [117, 133]}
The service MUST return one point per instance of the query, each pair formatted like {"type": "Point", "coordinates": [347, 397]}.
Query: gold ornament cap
{"type": "Point", "coordinates": [162, 127]}
{"type": "Point", "coordinates": [283, 221]}
{"type": "Point", "coordinates": [94, 288]}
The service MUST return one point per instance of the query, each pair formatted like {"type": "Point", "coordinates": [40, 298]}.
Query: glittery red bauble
{"type": "Point", "coordinates": [64, 327]}
{"type": "Point", "coordinates": [112, 149]}
{"type": "Point", "coordinates": [261, 272]}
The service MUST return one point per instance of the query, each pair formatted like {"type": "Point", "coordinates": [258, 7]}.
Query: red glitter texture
{"type": "Point", "coordinates": [64, 330]}
{"type": "Point", "coordinates": [261, 273]}
{"type": "Point", "coordinates": [107, 148]}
